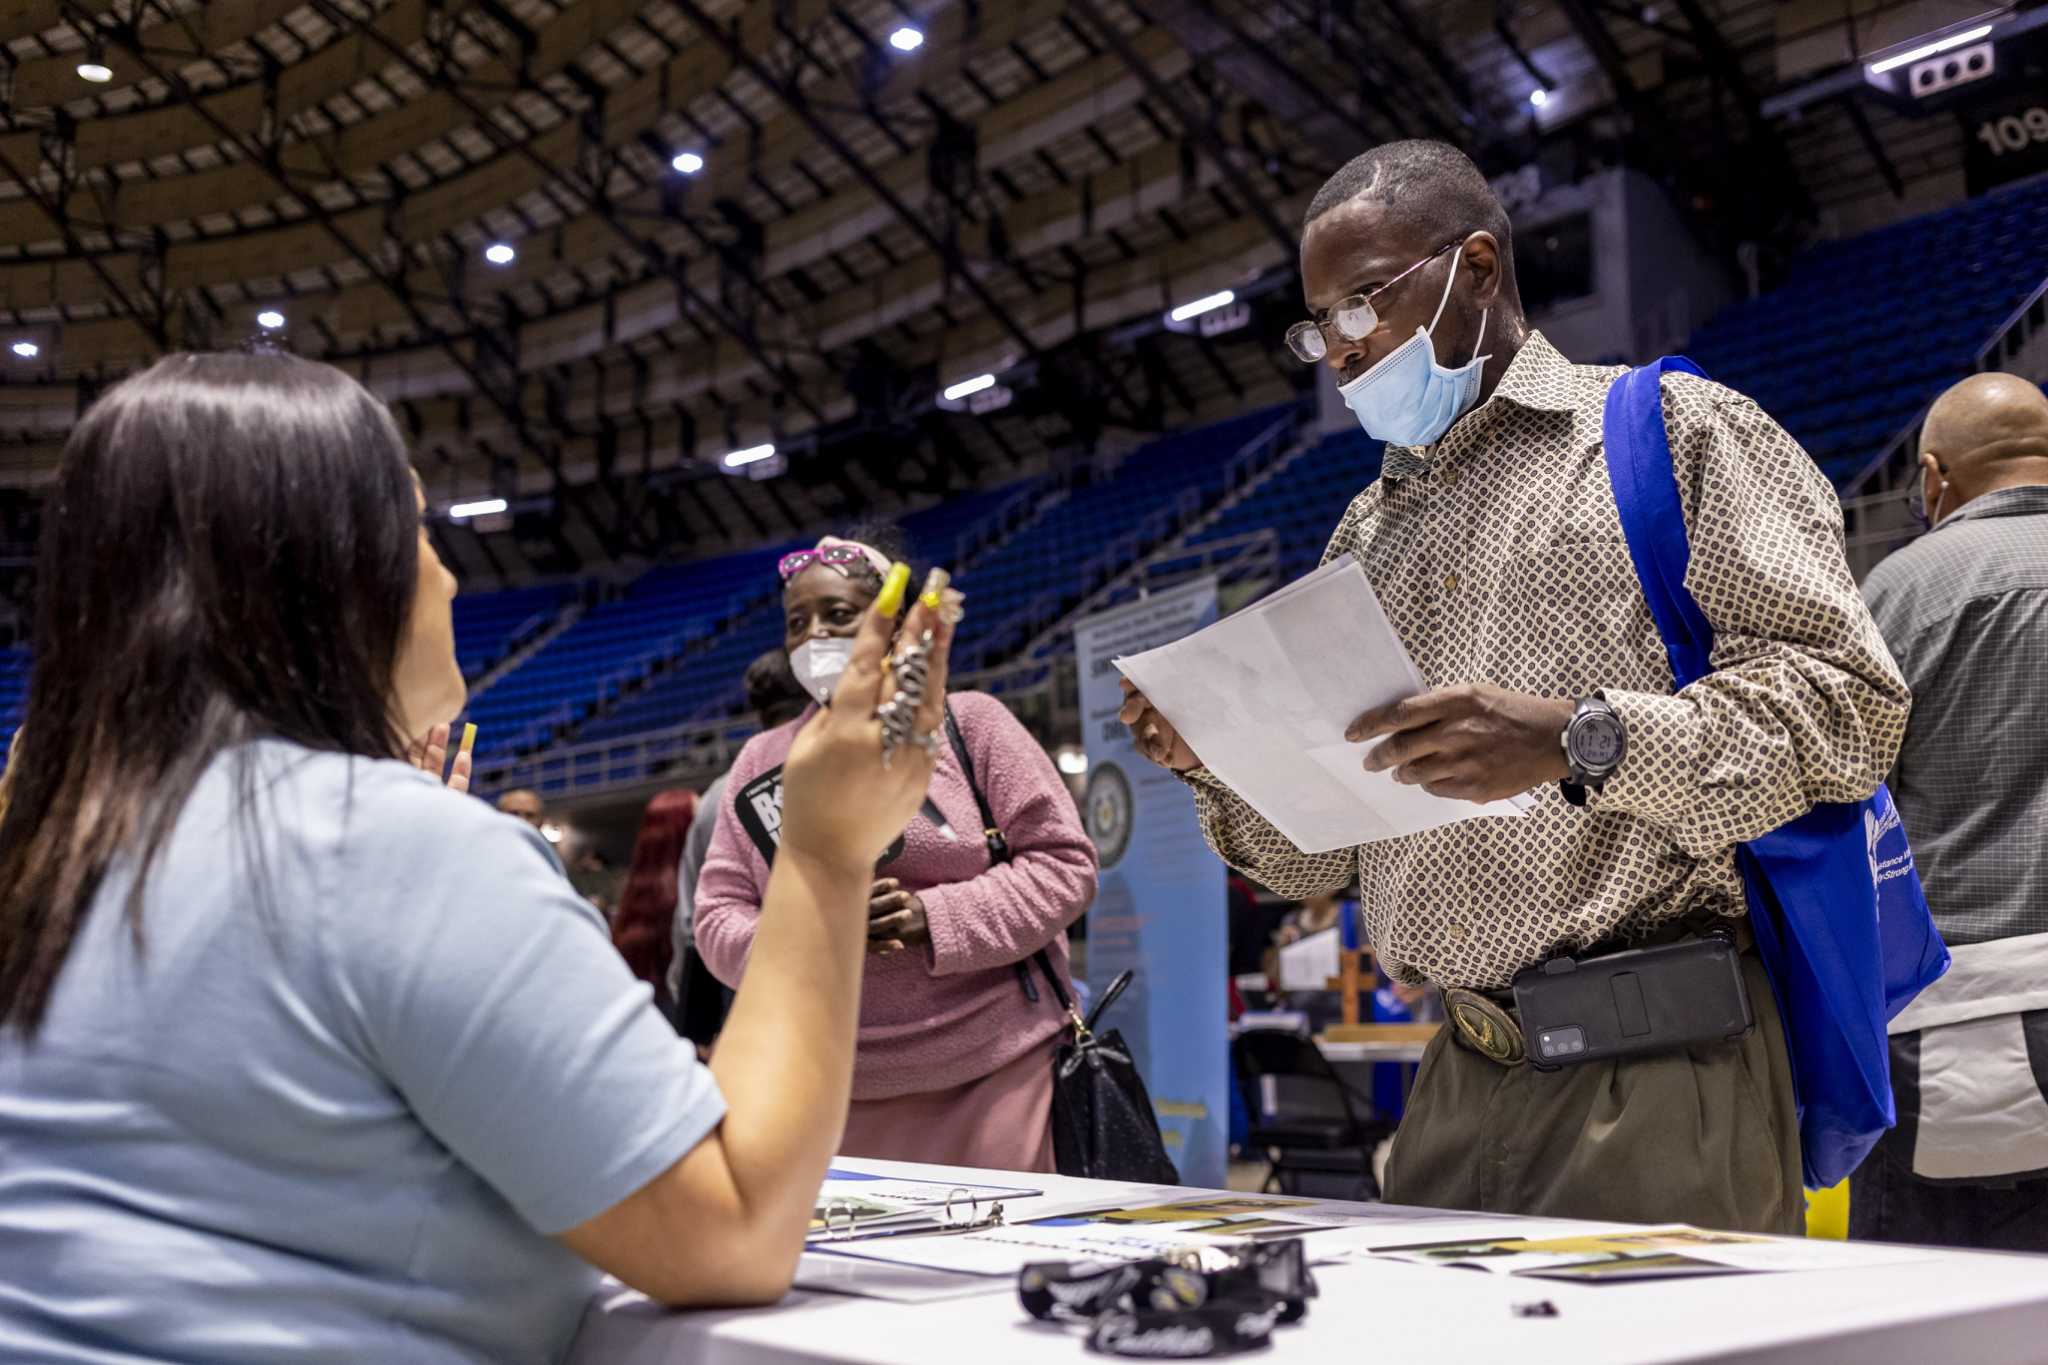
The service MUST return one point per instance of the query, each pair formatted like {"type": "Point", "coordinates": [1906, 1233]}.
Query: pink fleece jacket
{"type": "Point", "coordinates": [954, 1012]}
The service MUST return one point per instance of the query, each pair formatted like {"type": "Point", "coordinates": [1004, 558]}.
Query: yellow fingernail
{"type": "Point", "coordinates": [934, 589]}
{"type": "Point", "coordinates": [890, 600]}
{"type": "Point", "coordinates": [468, 736]}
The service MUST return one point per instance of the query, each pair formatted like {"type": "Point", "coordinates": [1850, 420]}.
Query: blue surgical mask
{"type": "Point", "coordinates": [1408, 399]}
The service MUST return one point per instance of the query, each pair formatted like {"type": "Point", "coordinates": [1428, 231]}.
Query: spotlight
{"type": "Point", "coordinates": [1539, 97]}
{"type": "Point", "coordinates": [689, 163]}
{"type": "Point", "coordinates": [968, 387]}
{"type": "Point", "coordinates": [27, 350]}
{"type": "Point", "coordinates": [482, 507]}
{"type": "Point", "coordinates": [1970, 35]}
{"type": "Point", "coordinates": [270, 319]}
{"type": "Point", "coordinates": [906, 39]}
{"type": "Point", "coordinates": [498, 253]}
{"type": "Point", "coordinates": [1222, 298]}
{"type": "Point", "coordinates": [739, 459]}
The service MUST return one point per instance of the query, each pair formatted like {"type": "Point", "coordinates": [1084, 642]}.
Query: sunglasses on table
{"type": "Point", "coordinates": [841, 557]}
{"type": "Point", "coordinates": [1352, 317]}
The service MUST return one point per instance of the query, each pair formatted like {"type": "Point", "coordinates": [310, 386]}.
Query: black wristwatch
{"type": "Point", "coordinates": [1595, 742]}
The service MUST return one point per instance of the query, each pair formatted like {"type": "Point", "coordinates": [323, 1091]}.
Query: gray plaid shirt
{"type": "Point", "coordinates": [1965, 611]}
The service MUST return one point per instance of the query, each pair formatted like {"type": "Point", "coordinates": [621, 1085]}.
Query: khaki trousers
{"type": "Point", "coordinates": [1705, 1135]}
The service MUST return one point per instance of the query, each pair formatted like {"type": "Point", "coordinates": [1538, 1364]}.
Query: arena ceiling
{"type": "Point", "coordinates": [780, 222]}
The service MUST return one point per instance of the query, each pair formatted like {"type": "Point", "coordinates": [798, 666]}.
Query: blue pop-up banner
{"type": "Point", "coordinates": [1161, 909]}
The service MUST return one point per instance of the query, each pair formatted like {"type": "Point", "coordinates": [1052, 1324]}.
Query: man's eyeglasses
{"type": "Point", "coordinates": [1352, 317]}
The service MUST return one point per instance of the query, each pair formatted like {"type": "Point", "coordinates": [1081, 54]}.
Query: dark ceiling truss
{"type": "Point", "coordinates": [492, 372]}
{"type": "Point", "coordinates": [1754, 182]}
{"type": "Point", "coordinates": [306, 127]}
{"type": "Point", "coordinates": [1126, 383]}
{"type": "Point", "coordinates": [797, 101]}
{"type": "Point", "coordinates": [1199, 127]}
{"type": "Point", "coordinates": [151, 319]}
{"type": "Point", "coordinates": [588, 183]}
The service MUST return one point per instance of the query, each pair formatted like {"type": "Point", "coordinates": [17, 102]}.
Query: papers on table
{"type": "Point", "coordinates": [1634, 1253]}
{"type": "Point", "coordinates": [1265, 695]}
{"type": "Point", "coordinates": [1130, 1233]}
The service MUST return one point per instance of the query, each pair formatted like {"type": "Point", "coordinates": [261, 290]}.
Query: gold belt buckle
{"type": "Point", "coordinates": [1487, 1028]}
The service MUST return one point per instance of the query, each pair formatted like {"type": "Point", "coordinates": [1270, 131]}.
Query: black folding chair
{"type": "Point", "coordinates": [1319, 1131]}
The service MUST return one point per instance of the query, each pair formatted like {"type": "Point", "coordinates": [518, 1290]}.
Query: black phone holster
{"type": "Point", "coordinates": [1633, 1002]}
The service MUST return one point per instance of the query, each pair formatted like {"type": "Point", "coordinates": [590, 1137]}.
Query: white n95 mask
{"type": "Point", "coordinates": [1407, 399]}
{"type": "Point", "coordinates": [818, 663]}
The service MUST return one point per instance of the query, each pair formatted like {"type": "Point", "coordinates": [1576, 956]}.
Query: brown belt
{"type": "Point", "coordinates": [1485, 1021]}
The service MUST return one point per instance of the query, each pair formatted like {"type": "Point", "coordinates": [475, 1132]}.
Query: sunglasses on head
{"type": "Point", "coordinates": [840, 557]}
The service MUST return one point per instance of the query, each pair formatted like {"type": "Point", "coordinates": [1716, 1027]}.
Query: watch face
{"type": "Point", "coordinates": [1596, 741]}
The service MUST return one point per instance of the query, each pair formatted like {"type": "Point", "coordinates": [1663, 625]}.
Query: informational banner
{"type": "Point", "coordinates": [1161, 910]}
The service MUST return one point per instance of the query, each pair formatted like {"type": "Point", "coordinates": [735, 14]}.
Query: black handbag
{"type": "Point", "coordinates": [1103, 1124]}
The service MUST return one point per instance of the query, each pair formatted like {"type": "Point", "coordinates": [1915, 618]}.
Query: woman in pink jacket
{"type": "Point", "coordinates": [954, 1060]}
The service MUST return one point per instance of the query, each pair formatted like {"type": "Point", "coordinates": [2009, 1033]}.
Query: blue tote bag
{"type": "Point", "coordinates": [1841, 923]}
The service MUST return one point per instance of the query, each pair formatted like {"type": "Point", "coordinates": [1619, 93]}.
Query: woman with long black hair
{"type": "Point", "coordinates": [303, 1056]}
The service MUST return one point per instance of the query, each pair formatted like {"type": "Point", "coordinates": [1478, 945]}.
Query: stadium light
{"type": "Point", "coordinates": [906, 39]}
{"type": "Point", "coordinates": [270, 319]}
{"type": "Point", "coordinates": [689, 163]}
{"type": "Point", "coordinates": [499, 253]}
{"type": "Point", "coordinates": [966, 388]}
{"type": "Point", "coordinates": [1539, 97]}
{"type": "Point", "coordinates": [27, 350]}
{"type": "Point", "coordinates": [1222, 298]}
{"type": "Point", "coordinates": [1968, 35]}
{"type": "Point", "coordinates": [740, 459]}
{"type": "Point", "coordinates": [482, 507]}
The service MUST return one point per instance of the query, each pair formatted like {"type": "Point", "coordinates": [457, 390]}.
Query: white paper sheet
{"type": "Point", "coordinates": [1307, 964]}
{"type": "Point", "coordinates": [1264, 696]}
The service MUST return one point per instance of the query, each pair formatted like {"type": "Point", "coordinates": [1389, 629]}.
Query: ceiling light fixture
{"type": "Point", "coordinates": [270, 319]}
{"type": "Point", "coordinates": [498, 253]}
{"type": "Point", "coordinates": [1968, 35]}
{"type": "Point", "coordinates": [906, 39]}
{"type": "Point", "coordinates": [739, 459]}
{"type": "Point", "coordinates": [968, 387]}
{"type": "Point", "coordinates": [27, 350]}
{"type": "Point", "coordinates": [1539, 97]}
{"type": "Point", "coordinates": [689, 163]}
{"type": "Point", "coordinates": [1222, 298]}
{"type": "Point", "coordinates": [482, 507]}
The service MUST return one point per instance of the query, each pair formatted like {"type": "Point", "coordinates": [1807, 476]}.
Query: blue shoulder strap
{"type": "Point", "coordinates": [1652, 517]}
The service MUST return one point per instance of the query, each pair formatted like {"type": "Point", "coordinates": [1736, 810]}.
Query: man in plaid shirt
{"type": "Point", "coordinates": [1965, 612]}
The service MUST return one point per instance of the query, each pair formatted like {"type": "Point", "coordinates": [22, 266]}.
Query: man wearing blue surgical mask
{"type": "Point", "coordinates": [1493, 539]}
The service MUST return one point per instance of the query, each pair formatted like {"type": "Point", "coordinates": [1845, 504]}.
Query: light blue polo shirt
{"type": "Point", "coordinates": [337, 1104]}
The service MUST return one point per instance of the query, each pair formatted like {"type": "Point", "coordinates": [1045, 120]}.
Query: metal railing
{"type": "Point", "coordinates": [679, 755]}
{"type": "Point", "coordinates": [1876, 507]}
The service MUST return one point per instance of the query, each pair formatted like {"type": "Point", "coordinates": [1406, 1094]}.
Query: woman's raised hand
{"type": "Point", "coordinates": [841, 804]}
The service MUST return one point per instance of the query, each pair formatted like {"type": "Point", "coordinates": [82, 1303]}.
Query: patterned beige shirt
{"type": "Point", "coordinates": [1499, 557]}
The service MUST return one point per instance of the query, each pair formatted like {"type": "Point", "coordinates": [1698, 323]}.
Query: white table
{"type": "Point", "coordinates": [1370, 1052]}
{"type": "Point", "coordinates": [1957, 1306]}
